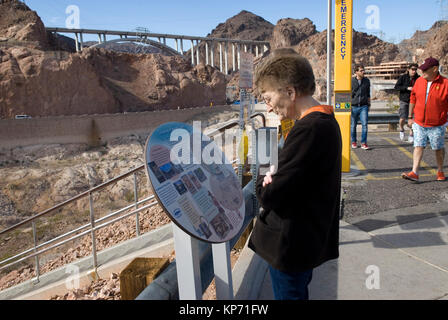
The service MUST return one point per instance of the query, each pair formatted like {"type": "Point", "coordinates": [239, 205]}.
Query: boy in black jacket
{"type": "Point", "coordinates": [404, 85]}
{"type": "Point", "coordinates": [299, 227]}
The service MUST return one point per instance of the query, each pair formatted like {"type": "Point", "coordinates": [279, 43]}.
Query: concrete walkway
{"type": "Point", "coordinates": [407, 261]}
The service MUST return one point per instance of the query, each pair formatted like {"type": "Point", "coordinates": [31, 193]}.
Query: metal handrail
{"type": "Point", "coordinates": [77, 197]}
{"type": "Point", "coordinates": [86, 232]}
{"type": "Point", "coordinates": [93, 227]}
{"type": "Point", "coordinates": [75, 230]}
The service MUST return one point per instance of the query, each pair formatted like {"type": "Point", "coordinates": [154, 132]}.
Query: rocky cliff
{"type": "Point", "coordinates": [243, 26]}
{"type": "Point", "coordinates": [37, 80]}
{"type": "Point", "coordinates": [431, 42]}
{"type": "Point", "coordinates": [290, 32]}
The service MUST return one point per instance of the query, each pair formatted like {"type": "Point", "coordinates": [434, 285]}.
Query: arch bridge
{"type": "Point", "coordinates": [224, 47]}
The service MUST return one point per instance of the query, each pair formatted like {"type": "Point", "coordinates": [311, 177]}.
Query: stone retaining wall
{"type": "Point", "coordinates": [92, 129]}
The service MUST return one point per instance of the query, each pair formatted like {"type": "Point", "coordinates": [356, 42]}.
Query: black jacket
{"type": "Point", "coordinates": [299, 229]}
{"type": "Point", "coordinates": [360, 93]}
{"type": "Point", "coordinates": [402, 85]}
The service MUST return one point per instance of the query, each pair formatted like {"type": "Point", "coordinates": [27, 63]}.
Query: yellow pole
{"type": "Point", "coordinates": [343, 74]}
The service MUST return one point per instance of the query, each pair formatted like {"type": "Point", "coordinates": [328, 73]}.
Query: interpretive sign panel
{"type": "Point", "coordinates": [194, 183]}
{"type": "Point", "coordinates": [246, 70]}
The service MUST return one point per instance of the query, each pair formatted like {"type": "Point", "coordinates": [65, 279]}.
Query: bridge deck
{"type": "Point", "coordinates": [152, 35]}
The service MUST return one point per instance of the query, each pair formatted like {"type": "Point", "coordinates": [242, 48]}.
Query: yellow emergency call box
{"type": "Point", "coordinates": [343, 44]}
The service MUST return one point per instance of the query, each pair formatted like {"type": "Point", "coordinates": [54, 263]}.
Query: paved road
{"type": "Point", "coordinates": [375, 187]}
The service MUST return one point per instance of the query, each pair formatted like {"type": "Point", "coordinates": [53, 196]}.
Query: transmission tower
{"type": "Point", "coordinates": [140, 34]}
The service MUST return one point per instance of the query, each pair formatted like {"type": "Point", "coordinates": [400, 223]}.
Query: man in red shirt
{"type": "Point", "coordinates": [427, 115]}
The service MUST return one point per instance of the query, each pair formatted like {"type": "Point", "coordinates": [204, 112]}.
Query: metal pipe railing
{"type": "Point", "coordinates": [77, 230]}
{"type": "Point", "coordinates": [84, 233]}
{"type": "Point", "coordinates": [79, 196]}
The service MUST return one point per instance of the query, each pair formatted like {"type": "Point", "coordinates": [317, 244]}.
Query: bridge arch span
{"type": "Point", "coordinates": [164, 48]}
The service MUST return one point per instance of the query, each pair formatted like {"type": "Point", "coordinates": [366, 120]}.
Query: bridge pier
{"type": "Point", "coordinates": [239, 56]}
{"type": "Point", "coordinates": [206, 52]}
{"type": "Point", "coordinates": [82, 41]}
{"type": "Point", "coordinates": [177, 45]}
{"type": "Point", "coordinates": [197, 52]}
{"type": "Point", "coordinates": [76, 42]}
{"type": "Point", "coordinates": [182, 46]}
{"type": "Point", "coordinates": [220, 56]}
{"type": "Point", "coordinates": [192, 52]}
{"type": "Point", "coordinates": [256, 51]}
{"type": "Point", "coordinates": [225, 58]}
{"type": "Point", "coordinates": [233, 56]}
{"type": "Point", "coordinates": [212, 54]}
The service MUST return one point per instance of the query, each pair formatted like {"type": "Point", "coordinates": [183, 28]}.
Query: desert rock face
{"type": "Point", "coordinates": [301, 35]}
{"type": "Point", "coordinates": [432, 42]}
{"type": "Point", "coordinates": [290, 32]}
{"type": "Point", "coordinates": [101, 81]}
{"type": "Point", "coordinates": [37, 80]}
{"type": "Point", "coordinates": [36, 83]}
{"type": "Point", "coordinates": [19, 23]}
{"type": "Point", "coordinates": [417, 45]}
{"type": "Point", "coordinates": [243, 26]}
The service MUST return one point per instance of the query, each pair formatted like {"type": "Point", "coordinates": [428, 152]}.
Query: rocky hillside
{"type": "Point", "coordinates": [290, 32]}
{"type": "Point", "coordinates": [94, 81]}
{"type": "Point", "coordinates": [243, 26]}
{"type": "Point", "coordinates": [303, 37]}
{"type": "Point", "coordinates": [431, 42]}
{"type": "Point", "coordinates": [19, 23]}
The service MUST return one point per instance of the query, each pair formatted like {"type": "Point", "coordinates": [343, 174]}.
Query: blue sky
{"type": "Point", "coordinates": [398, 19]}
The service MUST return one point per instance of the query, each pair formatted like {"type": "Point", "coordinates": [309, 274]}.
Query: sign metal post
{"type": "Point", "coordinates": [187, 265]}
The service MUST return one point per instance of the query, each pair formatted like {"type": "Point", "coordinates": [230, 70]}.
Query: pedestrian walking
{"type": "Point", "coordinates": [360, 106]}
{"type": "Point", "coordinates": [298, 228]}
{"type": "Point", "coordinates": [404, 85]}
{"type": "Point", "coordinates": [428, 110]}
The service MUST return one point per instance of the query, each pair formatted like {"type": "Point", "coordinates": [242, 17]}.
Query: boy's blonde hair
{"type": "Point", "coordinates": [284, 67]}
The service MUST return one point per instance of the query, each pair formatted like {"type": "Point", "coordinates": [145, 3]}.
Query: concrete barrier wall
{"type": "Point", "coordinates": [92, 129]}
